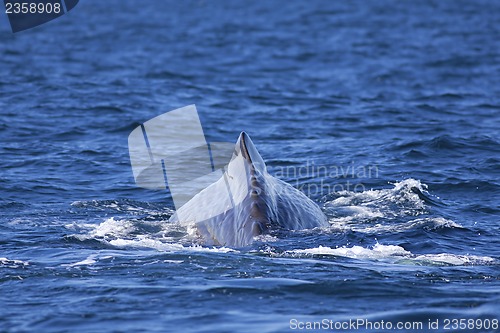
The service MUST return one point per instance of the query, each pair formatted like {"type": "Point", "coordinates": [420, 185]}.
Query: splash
{"type": "Point", "coordinates": [402, 200]}
{"type": "Point", "coordinates": [385, 211]}
{"type": "Point", "coordinates": [394, 254]}
{"type": "Point", "coordinates": [10, 263]}
{"type": "Point", "coordinates": [124, 233]}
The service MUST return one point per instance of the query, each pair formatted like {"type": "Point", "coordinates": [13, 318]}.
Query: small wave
{"type": "Point", "coordinates": [454, 259]}
{"type": "Point", "coordinates": [406, 199]}
{"type": "Point", "coordinates": [355, 252]}
{"type": "Point", "coordinates": [90, 260]}
{"type": "Point", "coordinates": [164, 74]}
{"type": "Point", "coordinates": [124, 206]}
{"type": "Point", "coordinates": [398, 209]}
{"type": "Point", "coordinates": [109, 229]}
{"type": "Point", "coordinates": [124, 233]}
{"type": "Point", "coordinates": [250, 283]}
{"type": "Point", "coordinates": [9, 263]}
{"type": "Point", "coordinates": [395, 254]}
{"type": "Point", "coordinates": [12, 205]}
{"type": "Point", "coordinates": [448, 143]}
{"type": "Point", "coordinates": [427, 223]}
{"type": "Point", "coordinates": [113, 228]}
{"type": "Point", "coordinates": [145, 242]}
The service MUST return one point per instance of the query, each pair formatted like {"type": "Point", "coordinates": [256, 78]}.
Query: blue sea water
{"type": "Point", "coordinates": [386, 113]}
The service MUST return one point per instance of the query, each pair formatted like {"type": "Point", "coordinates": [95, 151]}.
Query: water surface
{"type": "Point", "coordinates": [410, 90]}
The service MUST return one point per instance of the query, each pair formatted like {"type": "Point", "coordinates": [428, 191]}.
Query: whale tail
{"type": "Point", "coordinates": [245, 201]}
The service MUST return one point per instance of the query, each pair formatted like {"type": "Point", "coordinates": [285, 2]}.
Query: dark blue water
{"type": "Point", "coordinates": [386, 113]}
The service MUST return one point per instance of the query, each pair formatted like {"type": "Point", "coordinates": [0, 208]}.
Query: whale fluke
{"type": "Point", "coordinates": [247, 201]}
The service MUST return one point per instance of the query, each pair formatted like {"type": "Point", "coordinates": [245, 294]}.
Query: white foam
{"type": "Point", "coordinates": [356, 252]}
{"type": "Point", "coordinates": [109, 229]}
{"type": "Point", "coordinates": [12, 263]}
{"type": "Point", "coordinates": [90, 260]}
{"type": "Point", "coordinates": [385, 210]}
{"type": "Point", "coordinates": [401, 192]}
{"type": "Point", "coordinates": [395, 254]}
{"type": "Point", "coordinates": [177, 262]}
{"type": "Point", "coordinates": [124, 233]}
{"type": "Point", "coordinates": [122, 206]}
{"type": "Point", "coordinates": [397, 226]}
{"type": "Point", "coordinates": [266, 238]}
{"type": "Point", "coordinates": [112, 227]}
{"type": "Point", "coordinates": [371, 204]}
{"type": "Point", "coordinates": [144, 242]}
{"type": "Point", "coordinates": [455, 260]}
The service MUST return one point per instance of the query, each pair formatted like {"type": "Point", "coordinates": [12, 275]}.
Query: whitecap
{"type": "Point", "coordinates": [145, 242]}
{"type": "Point", "coordinates": [387, 210]}
{"type": "Point", "coordinates": [109, 229]}
{"type": "Point", "coordinates": [402, 200]}
{"type": "Point", "coordinates": [395, 254]}
{"type": "Point", "coordinates": [394, 226]}
{"type": "Point", "coordinates": [12, 263]}
{"type": "Point", "coordinates": [90, 260]}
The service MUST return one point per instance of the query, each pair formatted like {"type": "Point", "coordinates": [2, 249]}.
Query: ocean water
{"type": "Point", "coordinates": [386, 113]}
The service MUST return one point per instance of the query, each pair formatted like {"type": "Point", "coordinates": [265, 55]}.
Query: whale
{"type": "Point", "coordinates": [245, 202]}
